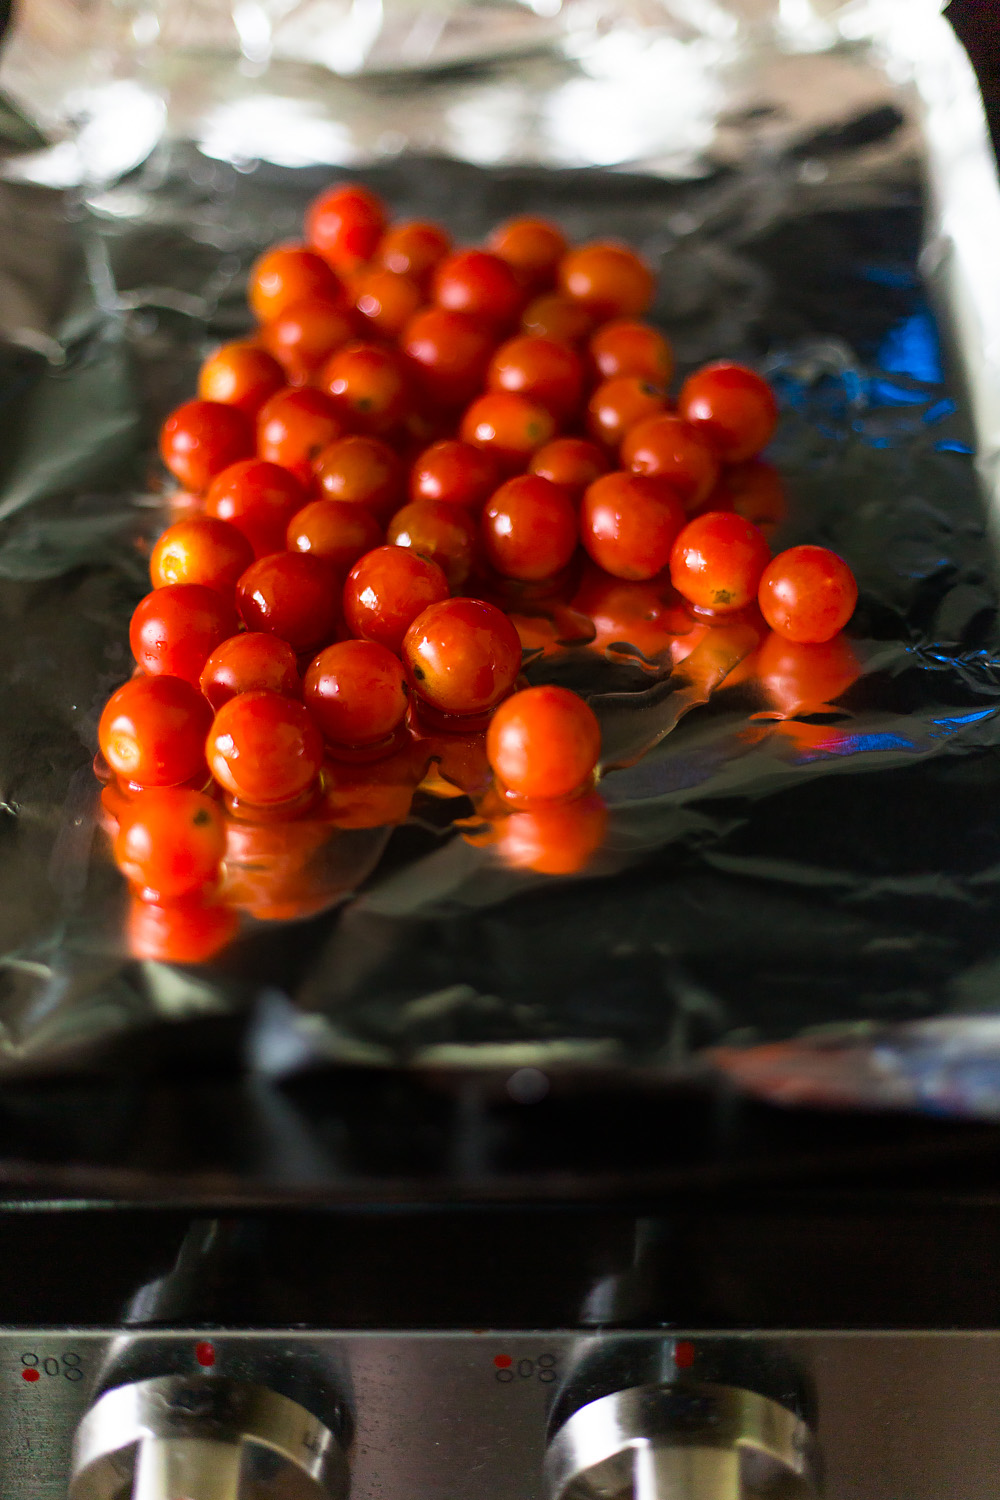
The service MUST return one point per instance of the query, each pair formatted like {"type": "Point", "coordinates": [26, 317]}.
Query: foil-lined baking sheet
{"type": "Point", "coordinates": [814, 187]}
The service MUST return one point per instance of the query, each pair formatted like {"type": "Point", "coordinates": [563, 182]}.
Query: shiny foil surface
{"type": "Point", "coordinates": [818, 203]}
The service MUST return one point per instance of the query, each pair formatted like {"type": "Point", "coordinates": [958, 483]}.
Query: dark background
{"type": "Point", "coordinates": [978, 24]}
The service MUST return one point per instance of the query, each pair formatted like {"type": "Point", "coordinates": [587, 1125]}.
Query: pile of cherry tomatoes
{"type": "Point", "coordinates": [419, 448]}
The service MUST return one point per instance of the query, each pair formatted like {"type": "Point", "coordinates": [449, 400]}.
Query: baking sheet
{"type": "Point", "coordinates": [830, 218]}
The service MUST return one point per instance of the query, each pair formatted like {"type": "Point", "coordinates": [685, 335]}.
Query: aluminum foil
{"type": "Point", "coordinates": [813, 183]}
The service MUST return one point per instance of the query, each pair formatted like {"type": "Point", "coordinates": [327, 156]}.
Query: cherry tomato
{"type": "Point", "coordinates": [257, 498]}
{"type": "Point", "coordinates": [413, 249]}
{"type": "Point", "coordinates": [176, 628]}
{"type": "Point", "coordinates": [202, 437]}
{"type": "Point", "coordinates": [555, 316]}
{"type": "Point", "coordinates": [755, 490]}
{"type": "Point", "coordinates": [247, 662]}
{"type": "Point", "coordinates": [264, 748]}
{"type": "Point", "coordinates": [339, 531]}
{"type": "Point", "coordinates": [361, 471]}
{"type": "Point", "coordinates": [448, 353]}
{"type": "Point", "coordinates": [670, 448]}
{"type": "Point", "coordinates": [152, 731]}
{"type": "Point", "coordinates": [170, 843]}
{"type": "Point", "coordinates": [544, 370]}
{"type": "Point", "coordinates": [386, 590]}
{"type": "Point", "coordinates": [648, 615]}
{"type": "Point", "coordinates": [802, 677]}
{"type": "Point", "coordinates": [554, 838]}
{"type": "Point", "coordinates": [368, 386]}
{"type": "Point", "coordinates": [608, 279]}
{"type": "Point", "coordinates": [288, 274]}
{"type": "Point", "coordinates": [188, 932]}
{"type": "Point", "coordinates": [356, 693]}
{"type": "Point", "coordinates": [626, 347]}
{"type": "Point", "coordinates": [732, 409]}
{"type": "Point", "coordinates": [386, 300]}
{"type": "Point", "coordinates": [455, 472]}
{"type": "Point", "coordinates": [306, 333]}
{"type": "Point", "coordinates": [529, 529]}
{"type": "Point", "coordinates": [295, 426]}
{"type": "Point", "coordinates": [345, 224]}
{"type": "Point", "coordinates": [807, 594]}
{"type": "Point", "coordinates": [508, 426]}
{"type": "Point", "coordinates": [617, 405]}
{"type": "Point", "coordinates": [480, 285]}
{"type": "Point", "coordinates": [200, 550]}
{"type": "Point", "coordinates": [717, 561]}
{"type": "Point", "coordinates": [533, 249]}
{"type": "Point", "coordinates": [462, 656]}
{"type": "Point", "coordinates": [628, 524]}
{"type": "Point", "coordinates": [240, 374]}
{"type": "Point", "coordinates": [573, 463]}
{"type": "Point", "coordinates": [292, 595]}
{"type": "Point", "coordinates": [543, 742]}
{"type": "Point", "coordinates": [445, 533]}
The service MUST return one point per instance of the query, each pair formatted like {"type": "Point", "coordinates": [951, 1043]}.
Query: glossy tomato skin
{"type": "Point", "coordinates": [445, 533]}
{"type": "Point", "coordinates": [356, 693]}
{"type": "Point", "coordinates": [717, 561]}
{"type": "Point", "coordinates": [555, 316]}
{"type": "Point", "coordinates": [368, 386]}
{"type": "Point", "coordinates": [306, 333]}
{"type": "Point", "coordinates": [732, 408]}
{"type": "Point", "coordinates": [285, 275]}
{"type": "Point", "coordinates": [807, 594]}
{"type": "Point", "coordinates": [360, 470]}
{"type": "Point", "coordinates": [545, 370]}
{"type": "Point", "coordinates": [448, 354]}
{"type": "Point", "coordinates": [609, 279]}
{"type": "Point", "coordinates": [152, 731]}
{"type": "Point", "coordinates": [385, 300]}
{"type": "Point", "coordinates": [175, 629]}
{"type": "Point", "coordinates": [170, 843]}
{"type": "Point", "coordinates": [532, 248]}
{"type": "Point", "coordinates": [264, 748]}
{"type": "Point", "coordinates": [629, 523]}
{"type": "Point", "coordinates": [292, 595]}
{"type": "Point", "coordinates": [294, 427]}
{"type": "Point", "coordinates": [455, 472]}
{"type": "Point", "coordinates": [544, 743]}
{"type": "Point", "coordinates": [201, 438]}
{"type": "Point", "coordinates": [627, 347]}
{"type": "Point", "coordinates": [480, 285]}
{"type": "Point", "coordinates": [508, 426]}
{"type": "Point", "coordinates": [201, 550]}
{"type": "Point", "coordinates": [617, 405]}
{"type": "Point", "coordinates": [666, 446]}
{"type": "Point", "coordinates": [240, 374]}
{"type": "Point", "coordinates": [529, 529]}
{"type": "Point", "coordinates": [386, 590]}
{"type": "Point", "coordinates": [413, 249]}
{"type": "Point", "coordinates": [554, 838]}
{"type": "Point", "coordinates": [573, 463]}
{"type": "Point", "coordinates": [344, 224]}
{"type": "Point", "coordinates": [249, 662]}
{"type": "Point", "coordinates": [259, 499]}
{"type": "Point", "coordinates": [462, 656]}
{"type": "Point", "coordinates": [339, 531]}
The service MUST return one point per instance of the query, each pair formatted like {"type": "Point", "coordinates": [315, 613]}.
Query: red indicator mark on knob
{"type": "Point", "coordinates": [205, 1355]}
{"type": "Point", "coordinates": [683, 1354]}
{"type": "Point", "coordinates": [30, 1375]}
{"type": "Point", "coordinates": [503, 1361]}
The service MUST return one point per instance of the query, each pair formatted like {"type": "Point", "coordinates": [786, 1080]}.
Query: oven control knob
{"type": "Point", "coordinates": [681, 1442]}
{"type": "Point", "coordinates": [204, 1438]}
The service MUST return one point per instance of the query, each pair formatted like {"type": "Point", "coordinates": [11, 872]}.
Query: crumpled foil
{"type": "Point", "coordinates": [813, 184]}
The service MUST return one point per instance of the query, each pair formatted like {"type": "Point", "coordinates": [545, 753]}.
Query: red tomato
{"type": "Point", "coordinates": [175, 629]}
{"type": "Point", "coordinates": [554, 316]}
{"type": "Point", "coordinates": [345, 224]}
{"type": "Point", "coordinates": [292, 595]}
{"type": "Point", "coordinates": [717, 561]}
{"type": "Point", "coordinates": [201, 438]}
{"type": "Point", "coordinates": [246, 663]}
{"type": "Point", "coordinates": [306, 333]}
{"type": "Point", "coordinates": [413, 249]}
{"type": "Point", "coordinates": [668, 447]}
{"type": "Point", "coordinates": [532, 248]}
{"type": "Point", "coordinates": [443, 532]}
{"type": "Point", "coordinates": [756, 491]}
{"type": "Point", "coordinates": [288, 274]}
{"type": "Point", "coordinates": [571, 462]}
{"type": "Point", "coordinates": [356, 692]}
{"type": "Point", "coordinates": [448, 354]}
{"type": "Point", "coordinates": [807, 594]}
{"type": "Point", "coordinates": [626, 347]}
{"type": "Point", "coordinates": [170, 843]}
{"type": "Point", "coordinates": [386, 300]}
{"type": "Point", "coordinates": [361, 471]}
{"type": "Point", "coordinates": [554, 838]}
{"type": "Point", "coordinates": [462, 656]}
{"type": "Point", "coordinates": [508, 426]}
{"type": "Point", "coordinates": [386, 590]}
{"type": "Point", "coordinates": [610, 280]}
{"type": "Point", "coordinates": [529, 529]}
{"type": "Point", "coordinates": [264, 748]}
{"type": "Point", "coordinates": [295, 426]}
{"type": "Point", "coordinates": [542, 369]}
{"type": "Point", "coordinates": [152, 731]}
{"type": "Point", "coordinates": [368, 386]}
{"type": "Point", "coordinates": [732, 409]}
{"type": "Point", "coordinates": [257, 498]}
{"type": "Point", "coordinates": [480, 285]}
{"type": "Point", "coordinates": [455, 472]}
{"type": "Point", "coordinates": [201, 550]}
{"type": "Point", "coordinates": [628, 524]}
{"type": "Point", "coordinates": [240, 374]}
{"type": "Point", "coordinates": [543, 743]}
{"type": "Point", "coordinates": [339, 531]}
{"type": "Point", "coordinates": [190, 932]}
{"type": "Point", "coordinates": [617, 405]}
